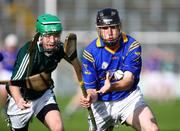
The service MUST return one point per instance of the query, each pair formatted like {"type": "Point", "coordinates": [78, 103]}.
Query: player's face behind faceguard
{"type": "Point", "coordinates": [50, 42]}
{"type": "Point", "coordinates": [108, 26]}
{"type": "Point", "coordinates": [50, 28]}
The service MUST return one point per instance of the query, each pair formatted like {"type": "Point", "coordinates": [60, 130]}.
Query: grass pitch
{"type": "Point", "coordinates": [167, 115]}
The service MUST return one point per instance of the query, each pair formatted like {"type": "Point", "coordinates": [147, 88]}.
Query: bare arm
{"type": "Point", "coordinates": [15, 92]}
{"type": "Point", "coordinates": [21, 103]}
{"type": "Point", "coordinates": [124, 84]}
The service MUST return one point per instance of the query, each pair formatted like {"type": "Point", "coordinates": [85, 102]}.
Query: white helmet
{"type": "Point", "coordinates": [11, 40]}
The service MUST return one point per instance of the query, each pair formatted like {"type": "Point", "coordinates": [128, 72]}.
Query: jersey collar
{"type": "Point", "coordinates": [100, 43]}
{"type": "Point", "coordinates": [40, 48]}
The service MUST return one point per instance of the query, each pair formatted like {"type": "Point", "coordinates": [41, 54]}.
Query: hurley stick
{"type": "Point", "coordinates": [38, 82]}
{"type": "Point", "coordinates": [15, 82]}
{"type": "Point", "coordinates": [71, 52]}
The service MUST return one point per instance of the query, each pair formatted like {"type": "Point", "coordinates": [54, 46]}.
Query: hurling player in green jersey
{"type": "Point", "coordinates": [42, 54]}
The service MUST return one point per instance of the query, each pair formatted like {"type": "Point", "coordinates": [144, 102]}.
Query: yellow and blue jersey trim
{"type": "Point", "coordinates": [97, 60]}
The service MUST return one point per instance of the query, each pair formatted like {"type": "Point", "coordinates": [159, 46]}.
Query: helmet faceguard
{"type": "Point", "coordinates": [111, 42]}
{"type": "Point", "coordinates": [49, 46]}
{"type": "Point", "coordinates": [106, 18]}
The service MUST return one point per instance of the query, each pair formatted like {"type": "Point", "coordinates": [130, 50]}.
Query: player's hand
{"type": "Point", "coordinates": [91, 97]}
{"type": "Point", "coordinates": [22, 104]}
{"type": "Point", "coordinates": [107, 85]}
{"type": "Point", "coordinates": [85, 101]}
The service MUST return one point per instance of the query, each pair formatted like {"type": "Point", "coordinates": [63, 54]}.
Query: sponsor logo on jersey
{"type": "Point", "coordinates": [104, 65]}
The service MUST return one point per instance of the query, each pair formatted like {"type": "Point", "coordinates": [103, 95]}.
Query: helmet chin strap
{"type": "Point", "coordinates": [111, 43]}
{"type": "Point", "coordinates": [49, 52]}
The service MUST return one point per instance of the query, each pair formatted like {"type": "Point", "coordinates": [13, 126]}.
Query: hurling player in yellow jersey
{"type": "Point", "coordinates": [111, 71]}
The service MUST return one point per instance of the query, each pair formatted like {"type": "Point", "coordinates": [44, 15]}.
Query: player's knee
{"type": "Point", "coordinates": [57, 127]}
{"type": "Point", "coordinates": [154, 127]}
{"type": "Point", "coordinates": [151, 127]}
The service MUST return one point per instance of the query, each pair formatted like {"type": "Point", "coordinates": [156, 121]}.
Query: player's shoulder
{"type": "Point", "coordinates": [129, 39]}
{"type": "Point", "coordinates": [25, 47]}
{"type": "Point", "coordinates": [92, 46]}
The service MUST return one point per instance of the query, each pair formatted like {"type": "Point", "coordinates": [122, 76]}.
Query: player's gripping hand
{"type": "Point", "coordinates": [107, 84]}
{"type": "Point", "coordinates": [91, 97]}
{"type": "Point", "coordinates": [16, 94]}
{"type": "Point", "coordinates": [22, 104]}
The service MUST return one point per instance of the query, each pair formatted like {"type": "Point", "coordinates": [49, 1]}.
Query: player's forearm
{"type": "Point", "coordinates": [123, 84]}
{"type": "Point", "coordinates": [15, 92]}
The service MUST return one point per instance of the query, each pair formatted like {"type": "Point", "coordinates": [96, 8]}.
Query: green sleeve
{"type": "Point", "coordinates": [19, 71]}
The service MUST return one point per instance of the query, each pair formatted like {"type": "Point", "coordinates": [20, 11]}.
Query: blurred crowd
{"type": "Point", "coordinates": [160, 76]}
{"type": "Point", "coordinates": [9, 52]}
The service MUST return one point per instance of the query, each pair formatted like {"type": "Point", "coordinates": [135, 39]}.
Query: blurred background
{"type": "Point", "coordinates": [154, 23]}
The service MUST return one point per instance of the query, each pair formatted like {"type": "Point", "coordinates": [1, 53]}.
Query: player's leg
{"type": "Point", "coordinates": [47, 111]}
{"type": "Point", "coordinates": [136, 113]}
{"type": "Point", "coordinates": [25, 128]}
{"type": "Point", "coordinates": [51, 117]}
{"type": "Point", "coordinates": [142, 119]}
{"type": "Point", "coordinates": [102, 114]}
{"type": "Point", "coordinates": [3, 96]}
{"type": "Point", "coordinates": [18, 119]}
{"type": "Point", "coordinates": [105, 125]}
{"type": "Point", "coordinates": [56, 123]}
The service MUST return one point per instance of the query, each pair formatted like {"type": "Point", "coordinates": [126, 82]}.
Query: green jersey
{"type": "Point", "coordinates": [40, 63]}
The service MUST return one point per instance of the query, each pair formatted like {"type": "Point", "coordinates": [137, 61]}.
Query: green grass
{"type": "Point", "coordinates": [167, 114]}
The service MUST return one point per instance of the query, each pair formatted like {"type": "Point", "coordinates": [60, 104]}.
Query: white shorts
{"type": "Point", "coordinates": [19, 118]}
{"type": "Point", "coordinates": [112, 113]}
